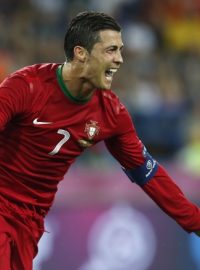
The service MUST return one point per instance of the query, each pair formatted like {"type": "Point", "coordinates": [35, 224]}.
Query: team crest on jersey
{"type": "Point", "coordinates": [92, 129]}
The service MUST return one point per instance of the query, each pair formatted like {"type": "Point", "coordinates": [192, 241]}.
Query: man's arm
{"type": "Point", "coordinates": [143, 170]}
{"type": "Point", "coordinates": [15, 98]}
{"type": "Point", "coordinates": [168, 196]}
{"type": "Point", "coordinates": [158, 185]}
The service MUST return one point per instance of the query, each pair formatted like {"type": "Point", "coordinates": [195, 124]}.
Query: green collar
{"type": "Point", "coordinates": [64, 87]}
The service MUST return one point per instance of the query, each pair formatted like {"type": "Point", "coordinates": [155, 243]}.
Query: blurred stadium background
{"type": "Point", "coordinates": [101, 221]}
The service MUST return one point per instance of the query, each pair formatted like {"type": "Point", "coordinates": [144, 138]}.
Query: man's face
{"type": "Point", "coordinates": [104, 59]}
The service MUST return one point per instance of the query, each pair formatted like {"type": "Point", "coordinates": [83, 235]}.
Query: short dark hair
{"type": "Point", "coordinates": [84, 31]}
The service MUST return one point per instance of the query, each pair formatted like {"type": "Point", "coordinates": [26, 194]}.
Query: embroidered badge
{"type": "Point", "coordinates": [92, 129]}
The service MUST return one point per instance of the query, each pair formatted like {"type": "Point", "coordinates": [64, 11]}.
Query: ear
{"type": "Point", "coordinates": [80, 53]}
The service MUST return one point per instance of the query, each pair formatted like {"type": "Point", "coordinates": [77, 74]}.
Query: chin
{"type": "Point", "coordinates": [107, 86]}
{"type": "Point", "coordinates": [104, 85]}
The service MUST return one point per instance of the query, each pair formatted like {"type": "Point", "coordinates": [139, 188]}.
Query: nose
{"type": "Point", "coordinates": [119, 58]}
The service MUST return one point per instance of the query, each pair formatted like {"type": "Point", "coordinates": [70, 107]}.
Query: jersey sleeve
{"type": "Point", "coordinates": [128, 149]}
{"type": "Point", "coordinates": [125, 145]}
{"type": "Point", "coordinates": [172, 201]}
{"type": "Point", "coordinates": [14, 98]}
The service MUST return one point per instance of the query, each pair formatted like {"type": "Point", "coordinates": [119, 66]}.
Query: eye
{"type": "Point", "coordinates": [111, 50]}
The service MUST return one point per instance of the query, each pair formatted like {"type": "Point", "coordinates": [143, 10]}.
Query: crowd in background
{"type": "Point", "coordinates": [160, 78]}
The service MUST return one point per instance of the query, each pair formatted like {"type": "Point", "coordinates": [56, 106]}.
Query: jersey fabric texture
{"type": "Point", "coordinates": [36, 117]}
{"type": "Point", "coordinates": [18, 240]}
{"type": "Point", "coordinates": [43, 130]}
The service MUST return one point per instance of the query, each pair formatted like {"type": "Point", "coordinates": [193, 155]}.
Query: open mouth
{"type": "Point", "coordinates": [110, 72]}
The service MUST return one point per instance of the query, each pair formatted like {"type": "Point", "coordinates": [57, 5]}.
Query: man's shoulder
{"type": "Point", "coordinates": [37, 70]}
{"type": "Point", "coordinates": [30, 76]}
{"type": "Point", "coordinates": [112, 101]}
{"type": "Point", "coordinates": [110, 96]}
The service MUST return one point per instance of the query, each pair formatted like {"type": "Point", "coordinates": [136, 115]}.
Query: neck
{"type": "Point", "coordinates": [75, 82]}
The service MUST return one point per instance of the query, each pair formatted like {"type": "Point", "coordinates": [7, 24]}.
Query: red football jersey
{"type": "Point", "coordinates": [43, 129]}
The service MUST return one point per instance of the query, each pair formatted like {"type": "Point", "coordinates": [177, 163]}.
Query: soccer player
{"type": "Point", "coordinates": [50, 113]}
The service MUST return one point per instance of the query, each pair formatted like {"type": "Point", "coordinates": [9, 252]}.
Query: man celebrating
{"type": "Point", "coordinates": [49, 113]}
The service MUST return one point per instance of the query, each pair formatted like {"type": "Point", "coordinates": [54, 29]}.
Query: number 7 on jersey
{"type": "Point", "coordinates": [66, 135]}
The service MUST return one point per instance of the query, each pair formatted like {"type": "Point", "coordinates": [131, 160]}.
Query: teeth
{"type": "Point", "coordinates": [111, 71]}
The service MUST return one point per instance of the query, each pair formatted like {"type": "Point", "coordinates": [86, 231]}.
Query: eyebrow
{"type": "Point", "coordinates": [115, 47]}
